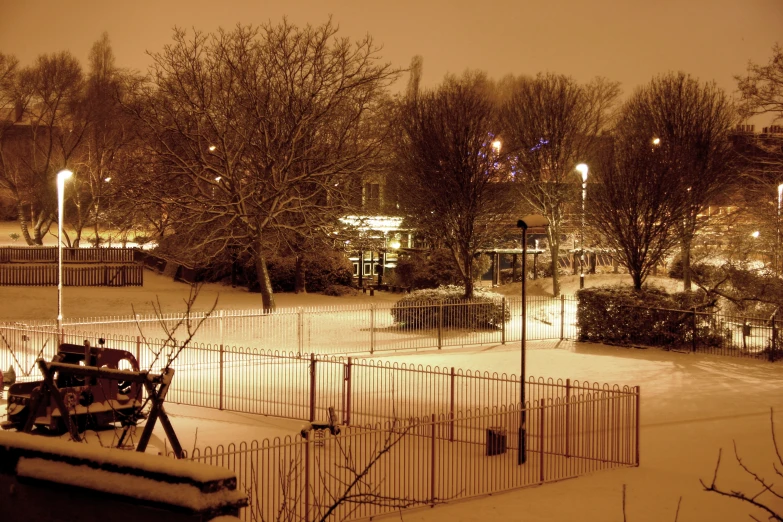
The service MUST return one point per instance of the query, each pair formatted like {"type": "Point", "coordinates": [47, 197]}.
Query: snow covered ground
{"type": "Point", "coordinates": [692, 406]}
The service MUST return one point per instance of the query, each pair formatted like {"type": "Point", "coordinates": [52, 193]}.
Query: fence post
{"type": "Point", "coordinates": [220, 406]}
{"type": "Point", "coordinates": [348, 368]}
{"type": "Point", "coordinates": [307, 481]}
{"type": "Point", "coordinates": [451, 408]}
{"type": "Point", "coordinates": [568, 419]}
{"type": "Point", "coordinates": [638, 416]}
{"type": "Point", "coordinates": [503, 321]}
{"type": "Point", "coordinates": [562, 317]}
{"type": "Point", "coordinates": [138, 350]}
{"type": "Point", "coordinates": [372, 328]}
{"type": "Point", "coordinates": [312, 387]}
{"type": "Point", "coordinates": [541, 434]}
{"type": "Point", "coordinates": [693, 312]}
{"type": "Point", "coordinates": [432, 462]}
{"type": "Point", "coordinates": [299, 330]}
{"type": "Point", "coordinates": [440, 324]}
{"type": "Point", "coordinates": [221, 328]}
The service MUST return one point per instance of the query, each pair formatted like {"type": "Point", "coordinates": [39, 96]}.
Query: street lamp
{"type": "Point", "coordinates": [61, 177]}
{"type": "Point", "coordinates": [582, 168]}
{"type": "Point", "coordinates": [537, 223]}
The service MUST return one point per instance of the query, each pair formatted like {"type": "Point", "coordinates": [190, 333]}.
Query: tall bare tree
{"type": "Point", "coordinates": [550, 124]}
{"type": "Point", "coordinates": [693, 122]}
{"type": "Point", "coordinates": [450, 169]}
{"type": "Point", "coordinates": [637, 199]}
{"type": "Point", "coordinates": [252, 126]}
{"type": "Point", "coordinates": [47, 133]}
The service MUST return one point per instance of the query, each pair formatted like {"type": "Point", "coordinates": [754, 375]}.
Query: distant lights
{"type": "Point", "coordinates": [656, 141]}
{"type": "Point", "coordinates": [212, 148]}
{"type": "Point", "coordinates": [107, 179]}
{"type": "Point", "coordinates": [755, 234]}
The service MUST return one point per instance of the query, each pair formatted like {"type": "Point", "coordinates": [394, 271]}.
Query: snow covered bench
{"type": "Point", "coordinates": [44, 479]}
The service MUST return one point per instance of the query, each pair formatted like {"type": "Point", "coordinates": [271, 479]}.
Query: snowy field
{"type": "Point", "coordinates": [692, 406]}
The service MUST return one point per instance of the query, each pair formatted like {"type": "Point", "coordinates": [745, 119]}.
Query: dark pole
{"type": "Point", "coordinates": [522, 455]}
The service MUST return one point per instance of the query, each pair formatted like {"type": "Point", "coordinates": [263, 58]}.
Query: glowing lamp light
{"type": "Point", "coordinates": [496, 146]}
{"type": "Point", "coordinates": [395, 244]}
{"type": "Point", "coordinates": [656, 141]}
{"type": "Point", "coordinates": [212, 148]}
{"type": "Point", "coordinates": [583, 168]}
{"type": "Point", "coordinates": [755, 234]}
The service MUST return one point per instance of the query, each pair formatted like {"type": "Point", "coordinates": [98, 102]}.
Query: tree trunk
{"type": "Point", "coordinates": [554, 250]}
{"type": "Point", "coordinates": [299, 275]}
{"type": "Point", "coordinates": [685, 254]}
{"type": "Point", "coordinates": [264, 282]}
{"type": "Point", "coordinates": [23, 225]}
{"type": "Point", "coordinates": [468, 260]}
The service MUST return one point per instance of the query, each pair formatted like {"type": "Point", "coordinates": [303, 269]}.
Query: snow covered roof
{"type": "Point", "coordinates": [186, 484]}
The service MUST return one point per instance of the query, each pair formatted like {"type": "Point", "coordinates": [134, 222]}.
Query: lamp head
{"type": "Point", "coordinates": [582, 169]}
{"type": "Point", "coordinates": [63, 175]}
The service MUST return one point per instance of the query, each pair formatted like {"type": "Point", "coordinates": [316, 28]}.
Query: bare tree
{"type": "Point", "coordinates": [636, 201]}
{"type": "Point", "coordinates": [692, 123]}
{"type": "Point", "coordinates": [451, 170]}
{"type": "Point", "coordinates": [766, 496]}
{"type": "Point", "coordinates": [257, 131]}
{"type": "Point", "coordinates": [550, 124]}
{"type": "Point", "coordinates": [106, 153]}
{"type": "Point", "coordinates": [43, 139]}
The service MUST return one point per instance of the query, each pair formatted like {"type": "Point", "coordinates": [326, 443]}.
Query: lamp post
{"type": "Point", "coordinates": [582, 168]}
{"type": "Point", "coordinates": [61, 177]}
{"type": "Point", "coordinates": [537, 222]}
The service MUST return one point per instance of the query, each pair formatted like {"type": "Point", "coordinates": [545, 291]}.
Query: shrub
{"type": "Point", "coordinates": [322, 269]}
{"type": "Point", "coordinates": [445, 306]}
{"type": "Point", "coordinates": [651, 317]}
{"type": "Point", "coordinates": [434, 269]}
{"type": "Point", "coordinates": [339, 290]}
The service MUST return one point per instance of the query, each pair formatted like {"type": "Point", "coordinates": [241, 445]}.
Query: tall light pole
{"type": "Point", "coordinates": [533, 221]}
{"type": "Point", "coordinates": [582, 168]}
{"type": "Point", "coordinates": [61, 177]}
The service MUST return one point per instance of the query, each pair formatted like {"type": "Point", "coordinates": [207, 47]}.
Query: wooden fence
{"type": "Point", "coordinates": [70, 255]}
{"type": "Point", "coordinates": [46, 275]}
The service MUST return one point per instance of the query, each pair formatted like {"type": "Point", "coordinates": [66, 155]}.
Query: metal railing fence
{"type": "Point", "coordinates": [302, 387]}
{"type": "Point", "coordinates": [353, 329]}
{"type": "Point", "coordinates": [431, 459]}
{"type": "Point", "coordinates": [692, 330]}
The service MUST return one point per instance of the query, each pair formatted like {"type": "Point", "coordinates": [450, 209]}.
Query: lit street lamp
{"type": "Point", "coordinates": [537, 223]}
{"type": "Point", "coordinates": [582, 168]}
{"type": "Point", "coordinates": [61, 177]}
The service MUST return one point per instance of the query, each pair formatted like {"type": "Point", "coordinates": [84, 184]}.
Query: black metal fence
{"type": "Point", "coordinates": [70, 255]}
{"type": "Point", "coordinates": [46, 275]}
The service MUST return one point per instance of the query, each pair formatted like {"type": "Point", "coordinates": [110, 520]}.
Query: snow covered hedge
{"type": "Point", "coordinates": [621, 315]}
{"type": "Point", "coordinates": [445, 306]}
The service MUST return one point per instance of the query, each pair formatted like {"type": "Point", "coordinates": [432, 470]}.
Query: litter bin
{"type": "Point", "coordinates": [496, 440]}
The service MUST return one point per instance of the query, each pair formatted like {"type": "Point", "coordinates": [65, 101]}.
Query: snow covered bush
{"type": "Point", "coordinates": [651, 317]}
{"type": "Point", "coordinates": [322, 269]}
{"type": "Point", "coordinates": [339, 290]}
{"type": "Point", "coordinates": [445, 306]}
